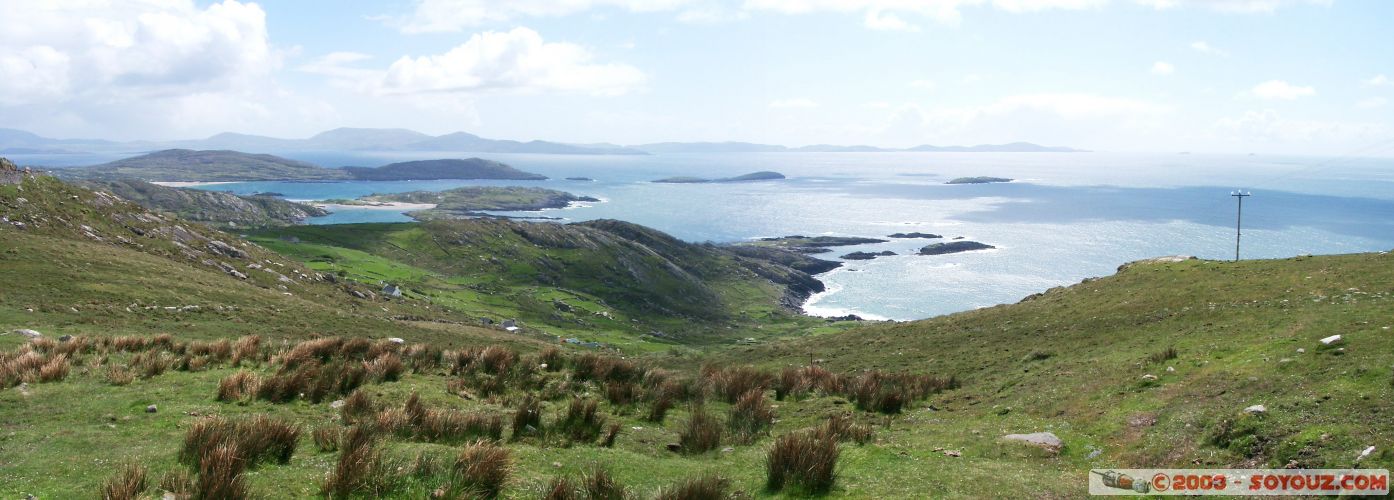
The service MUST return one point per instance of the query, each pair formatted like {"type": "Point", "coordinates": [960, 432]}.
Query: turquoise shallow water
{"type": "Point", "coordinates": [1068, 217]}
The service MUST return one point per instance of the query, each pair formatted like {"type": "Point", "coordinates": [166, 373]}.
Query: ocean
{"type": "Point", "coordinates": [1066, 217]}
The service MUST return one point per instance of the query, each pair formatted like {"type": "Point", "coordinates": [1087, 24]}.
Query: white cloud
{"type": "Point", "coordinates": [1278, 89]}
{"type": "Point", "coordinates": [885, 21]}
{"type": "Point", "coordinates": [1267, 126]}
{"type": "Point", "coordinates": [1075, 105]}
{"type": "Point", "coordinates": [1203, 47]}
{"type": "Point", "coordinates": [793, 103]}
{"type": "Point", "coordinates": [707, 14]}
{"type": "Point", "coordinates": [924, 84]}
{"type": "Point", "coordinates": [434, 16]}
{"type": "Point", "coordinates": [1372, 103]}
{"type": "Point", "coordinates": [518, 60]}
{"type": "Point", "coordinates": [1235, 6]}
{"type": "Point", "coordinates": [886, 14]}
{"type": "Point", "coordinates": [112, 50]}
{"type": "Point", "coordinates": [1163, 68]}
{"type": "Point", "coordinates": [1378, 81]}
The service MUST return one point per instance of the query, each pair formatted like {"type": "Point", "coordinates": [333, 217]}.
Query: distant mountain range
{"type": "Point", "coordinates": [185, 165]}
{"type": "Point", "coordinates": [397, 139]}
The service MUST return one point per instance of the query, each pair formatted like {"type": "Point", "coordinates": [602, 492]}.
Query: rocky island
{"type": "Point", "coordinates": [812, 244]}
{"type": "Point", "coordinates": [470, 202]}
{"type": "Point", "coordinates": [954, 247]}
{"type": "Point", "coordinates": [978, 180]}
{"type": "Point", "coordinates": [753, 176]}
{"type": "Point", "coordinates": [867, 255]}
{"type": "Point", "coordinates": [915, 235]}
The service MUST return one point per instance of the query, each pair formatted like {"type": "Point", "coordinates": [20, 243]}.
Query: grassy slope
{"type": "Point", "coordinates": [214, 207]}
{"type": "Point", "coordinates": [1072, 361]}
{"type": "Point", "coordinates": [620, 287]}
{"type": "Point", "coordinates": [209, 166]}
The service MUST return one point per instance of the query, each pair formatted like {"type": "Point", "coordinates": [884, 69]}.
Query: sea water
{"type": "Point", "coordinates": [1067, 216]}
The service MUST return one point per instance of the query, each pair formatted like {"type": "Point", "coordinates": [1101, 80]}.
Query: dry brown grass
{"type": "Point", "coordinates": [483, 469]}
{"type": "Point", "coordinates": [55, 369]}
{"type": "Point", "coordinates": [730, 383]}
{"type": "Point", "coordinates": [527, 418]}
{"type": "Point", "coordinates": [359, 464]}
{"type": "Point", "coordinates": [804, 460]}
{"type": "Point", "coordinates": [327, 437]}
{"type": "Point", "coordinates": [705, 487]}
{"type": "Point", "coordinates": [221, 474]}
{"type": "Point", "coordinates": [701, 433]}
{"type": "Point", "coordinates": [750, 417]}
{"type": "Point", "coordinates": [582, 421]}
{"type": "Point", "coordinates": [240, 385]}
{"type": "Point", "coordinates": [127, 484]}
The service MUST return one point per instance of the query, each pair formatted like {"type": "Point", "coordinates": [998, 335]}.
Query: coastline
{"type": "Point", "coordinates": [386, 205]}
{"type": "Point", "coordinates": [185, 184]}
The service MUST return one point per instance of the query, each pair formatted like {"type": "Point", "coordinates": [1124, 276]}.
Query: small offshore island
{"type": "Point", "coordinates": [753, 176]}
{"type": "Point", "coordinates": [954, 247]}
{"type": "Point", "coordinates": [469, 202]}
{"type": "Point", "coordinates": [812, 244]}
{"type": "Point", "coordinates": [979, 180]}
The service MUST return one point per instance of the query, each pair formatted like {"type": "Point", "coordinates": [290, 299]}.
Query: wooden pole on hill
{"type": "Point", "coordinates": [1238, 219]}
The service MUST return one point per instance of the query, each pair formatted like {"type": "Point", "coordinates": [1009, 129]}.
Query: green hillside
{"type": "Point", "coordinates": [214, 207]}
{"type": "Point", "coordinates": [288, 336]}
{"type": "Point", "coordinates": [186, 165]}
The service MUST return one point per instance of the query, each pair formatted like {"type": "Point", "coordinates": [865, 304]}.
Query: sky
{"type": "Point", "coordinates": [1312, 77]}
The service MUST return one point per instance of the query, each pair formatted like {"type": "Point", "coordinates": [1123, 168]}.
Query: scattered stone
{"type": "Point", "coordinates": [359, 294]}
{"type": "Point", "coordinates": [674, 447]}
{"type": "Point", "coordinates": [1301, 350]}
{"type": "Point", "coordinates": [1149, 377]}
{"type": "Point", "coordinates": [1256, 409]}
{"type": "Point", "coordinates": [1365, 453]}
{"type": "Point", "coordinates": [953, 453]}
{"type": "Point", "coordinates": [1044, 440]}
{"type": "Point", "coordinates": [1334, 339]}
{"type": "Point", "coordinates": [727, 449]}
{"type": "Point", "coordinates": [556, 465]}
{"type": "Point", "coordinates": [396, 340]}
{"type": "Point", "coordinates": [336, 404]}
{"type": "Point", "coordinates": [151, 409]}
{"type": "Point", "coordinates": [1094, 453]}
{"type": "Point", "coordinates": [65, 338]}
{"type": "Point", "coordinates": [29, 334]}
{"type": "Point", "coordinates": [1170, 369]}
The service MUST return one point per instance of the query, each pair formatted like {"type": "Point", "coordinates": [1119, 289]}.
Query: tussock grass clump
{"type": "Point", "coordinates": [595, 484]}
{"type": "Point", "coordinates": [803, 460]}
{"type": "Point", "coordinates": [55, 369]}
{"type": "Point", "coordinates": [256, 439]}
{"type": "Point", "coordinates": [705, 487]}
{"type": "Point", "coordinates": [582, 421]}
{"type": "Point", "coordinates": [243, 384]}
{"type": "Point", "coordinates": [445, 425]}
{"type": "Point", "coordinates": [611, 432]}
{"type": "Point", "coordinates": [598, 484]}
{"type": "Point", "coordinates": [840, 427]}
{"type": "Point", "coordinates": [423, 357]}
{"type": "Point", "coordinates": [178, 482]}
{"type": "Point", "coordinates": [750, 417]}
{"type": "Point", "coordinates": [482, 469]}
{"type": "Point", "coordinates": [327, 437]}
{"type": "Point", "coordinates": [889, 392]}
{"type": "Point", "coordinates": [1164, 355]}
{"type": "Point", "coordinates": [127, 484]}
{"type": "Point", "coordinates": [621, 393]}
{"type": "Point", "coordinates": [387, 367]}
{"type": "Point", "coordinates": [356, 405]}
{"type": "Point", "coordinates": [527, 418]}
{"type": "Point", "coordinates": [221, 474]}
{"type": "Point", "coordinates": [246, 350]}
{"type": "Point", "coordinates": [560, 488]}
{"type": "Point", "coordinates": [731, 383]}
{"type": "Point", "coordinates": [360, 461]}
{"type": "Point", "coordinates": [118, 375]}
{"type": "Point", "coordinates": [701, 433]}
{"type": "Point", "coordinates": [658, 409]}
{"type": "Point", "coordinates": [552, 357]}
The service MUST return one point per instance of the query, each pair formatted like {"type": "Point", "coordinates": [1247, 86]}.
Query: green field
{"type": "Point", "coordinates": [1151, 367]}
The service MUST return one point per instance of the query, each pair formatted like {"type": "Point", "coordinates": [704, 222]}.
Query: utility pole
{"type": "Point", "coordinates": [1238, 195]}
